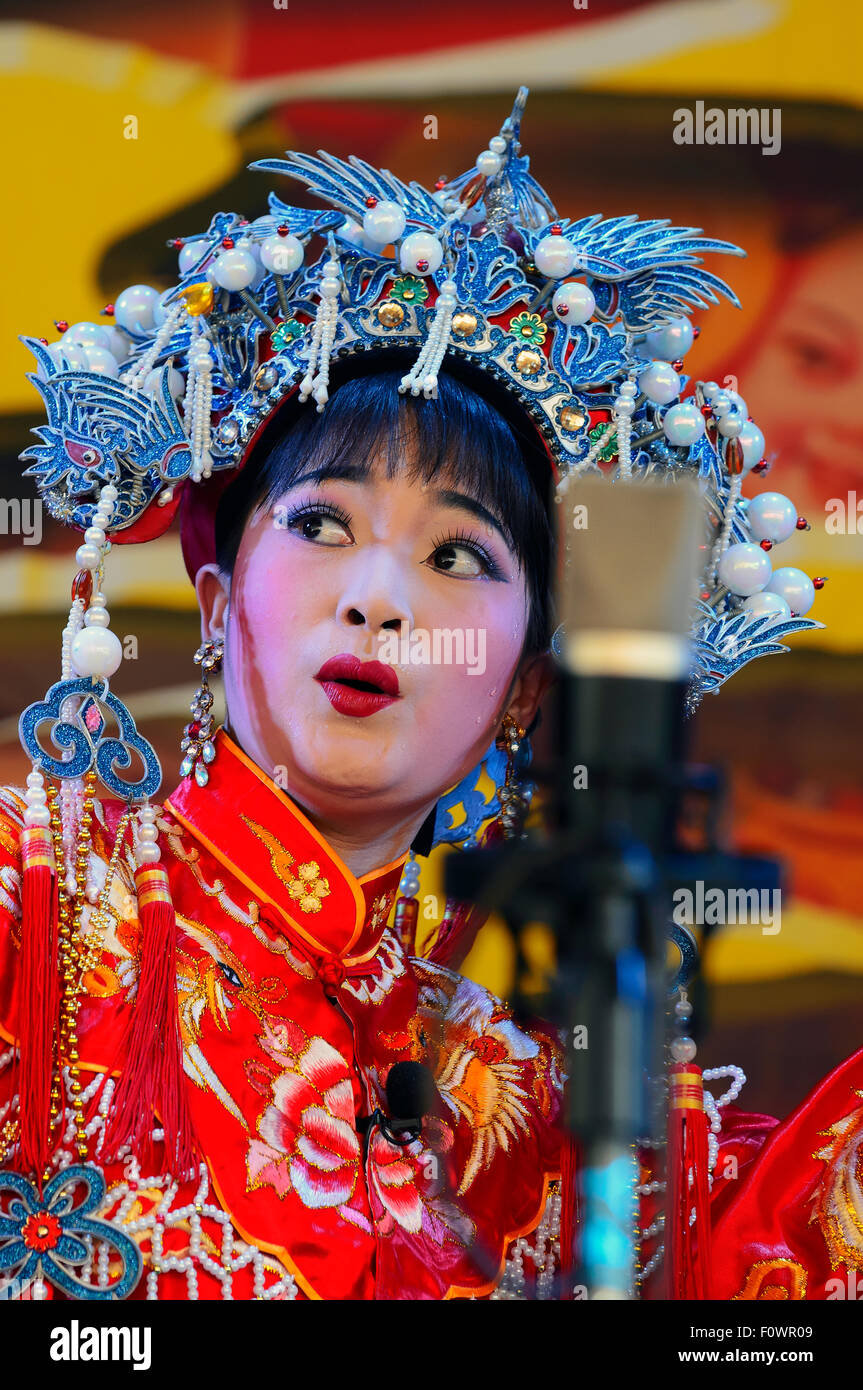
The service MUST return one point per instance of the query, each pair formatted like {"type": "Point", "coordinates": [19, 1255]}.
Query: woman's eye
{"type": "Point", "coordinates": [815, 356]}
{"type": "Point", "coordinates": [321, 527]}
{"type": "Point", "coordinates": [461, 560]}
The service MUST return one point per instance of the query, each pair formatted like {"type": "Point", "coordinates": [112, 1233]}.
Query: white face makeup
{"type": "Point", "coordinates": [418, 577]}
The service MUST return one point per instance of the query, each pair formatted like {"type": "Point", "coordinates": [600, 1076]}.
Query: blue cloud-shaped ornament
{"type": "Point", "coordinates": [87, 749]}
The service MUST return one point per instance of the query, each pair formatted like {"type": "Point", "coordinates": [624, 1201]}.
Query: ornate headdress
{"type": "Point", "coordinates": [584, 323]}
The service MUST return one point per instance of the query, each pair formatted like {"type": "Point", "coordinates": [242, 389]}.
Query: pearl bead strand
{"type": "Point", "coordinates": [147, 849]}
{"type": "Point", "coordinates": [622, 414]}
{"type": "Point", "coordinates": [316, 381]}
{"type": "Point", "coordinates": [720, 545]}
{"type": "Point", "coordinates": [592, 454]}
{"type": "Point", "coordinates": [139, 371]}
{"type": "Point", "coordinates": [198, 402]}
{"type": "Point", "coordinates": [423, 376]}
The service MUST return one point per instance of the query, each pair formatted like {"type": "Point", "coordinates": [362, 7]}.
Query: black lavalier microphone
{"type": "Point", "coordinates": [411, 1094]}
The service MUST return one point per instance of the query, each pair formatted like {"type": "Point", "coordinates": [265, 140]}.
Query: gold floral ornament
{"type": "Point", "coordinates": [308, 887]}
{"type": "Point", "coordinates": [380, 909]}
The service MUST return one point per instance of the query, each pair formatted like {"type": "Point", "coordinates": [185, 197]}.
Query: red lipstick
{"type": "Point", "coordinates": [358, 688]}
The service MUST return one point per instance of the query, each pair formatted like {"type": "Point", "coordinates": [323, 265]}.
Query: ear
{"type": "Point", "coordinates": [535, 676]}
{"type": "Point", "coordinates": [213, 591]}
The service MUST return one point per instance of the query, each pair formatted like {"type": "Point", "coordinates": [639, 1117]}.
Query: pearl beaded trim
{"type": "Point", "coordinates": [219, 1257]}
{"type": "Point", "coordinates": [542, 1249]}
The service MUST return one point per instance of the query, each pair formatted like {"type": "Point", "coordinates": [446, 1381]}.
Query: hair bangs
{"type": "Point", "coordinates": [458, 438]}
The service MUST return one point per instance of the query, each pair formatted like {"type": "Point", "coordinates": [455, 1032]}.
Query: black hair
{"type": "Point", "coordinates": [474, 436]}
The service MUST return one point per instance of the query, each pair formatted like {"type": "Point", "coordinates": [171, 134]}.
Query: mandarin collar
{"type": "Point", "coordinates": [262, 837]}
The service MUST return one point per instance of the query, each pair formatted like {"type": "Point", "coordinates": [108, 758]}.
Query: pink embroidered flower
{"type": "Point", "coordinates": [308, 1143]}
{"type": "Point", "coordinates": [391, 1181]}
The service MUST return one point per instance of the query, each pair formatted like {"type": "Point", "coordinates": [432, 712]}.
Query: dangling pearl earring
{"type": "Point", "coordinates": [514, 796]}
{"type": "Point", "coordinates": [197, 742]}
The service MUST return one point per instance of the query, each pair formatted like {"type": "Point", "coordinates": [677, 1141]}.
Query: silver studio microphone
{"type": "Point", "coordinates": [630, 566]}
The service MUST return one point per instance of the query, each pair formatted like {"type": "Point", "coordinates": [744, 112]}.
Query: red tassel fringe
{"type": "Point", "coordinates": [687, 1246]}
{"type": "Point", "coordinates": [405, 923]}
{"type": "Point", "coordinates": [39, 995]}
{"type": "Point", "coordinates": [152, 1081]}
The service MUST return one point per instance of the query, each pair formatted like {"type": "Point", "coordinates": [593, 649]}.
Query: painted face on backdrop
{"type": "Point", "coordinates": [805, 380]}
{"type": "Point", "coordinates": [381, 569]}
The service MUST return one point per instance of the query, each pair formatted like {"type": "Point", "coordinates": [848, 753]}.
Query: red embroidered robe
{"type": "Point", "coordinates": [282, 1053]}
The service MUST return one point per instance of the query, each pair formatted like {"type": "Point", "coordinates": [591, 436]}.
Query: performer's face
{"type": "Point", "coordinates": [385, 569]}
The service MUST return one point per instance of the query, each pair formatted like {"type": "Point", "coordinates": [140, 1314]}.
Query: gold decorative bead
{"type": "Point", "coordinates": [571, 418]}
{"type": "Point", "coordinates": [464, 324]}
{"type": "Point", "coordinates": [390, 314]}
{"type": "Point", "coordinates": [199, 298]}
{"type": "Point", "coordinates": [529, 362]}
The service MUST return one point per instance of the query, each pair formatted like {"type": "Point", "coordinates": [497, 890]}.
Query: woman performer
{"type": "Point", "coordinates": [228, 1072]}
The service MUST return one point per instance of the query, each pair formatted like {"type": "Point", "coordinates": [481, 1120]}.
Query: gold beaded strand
{"type": "Point", "coordinates": [78, 952]}
{"type": "Point", "coordinates": [91, 942]}
{"type": "Point", "coordinates": [70, 910]}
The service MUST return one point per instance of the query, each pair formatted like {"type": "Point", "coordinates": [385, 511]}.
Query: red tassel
{"type": "Point", "coordinates": [39, 994]}
{"type": "Point", "coordinates": [568, 1216]}
{"type": "Point", "coordinates": [457, 933]}
{"type": "Point", "coordinates": [152, 1080]}
{"type": "Point", "coordinates": [687, 1244]}
{"type": "Point", "coordinates": [405, 923]}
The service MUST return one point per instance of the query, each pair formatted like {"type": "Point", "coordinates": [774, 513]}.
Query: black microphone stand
{"type": "Point", "coordinates": [602, 881]}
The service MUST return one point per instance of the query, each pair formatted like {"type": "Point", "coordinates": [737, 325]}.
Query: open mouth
{"type": "Point", "coordinates": [363, 685]}
{"type": "Point", "coordinates": [357, 687]}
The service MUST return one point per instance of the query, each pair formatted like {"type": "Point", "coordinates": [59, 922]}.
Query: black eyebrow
{"type": "Point", "coordinates": [462, 500]}
{"type": "Point", "coordinates": [337, 469]}
{"type": "Point", "coordinates": [445, 497]}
